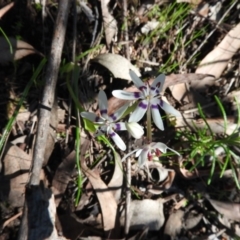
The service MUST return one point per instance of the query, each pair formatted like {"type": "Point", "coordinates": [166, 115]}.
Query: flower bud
{"type": "Point", "coordinates": [134, 129]}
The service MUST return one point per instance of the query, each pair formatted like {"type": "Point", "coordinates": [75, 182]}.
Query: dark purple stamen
{"type": "Point", "coordinates": [112, 134]}
{"type": "Point", "coordinates": [97, 119]}
{"type": "Point", "coordinates": [136, 94]}
{"type": "Point", "coordinates": [158, 84]}
{"type": "Point", "coordinates": [154, 106]}
{"type": "Point", "coordinates": [142, 105]}
{"type": "Point", "coordinates": [113, 117]}
{"type": "Point", "coordinates": [103, 111]}
{"type": "Point", "coordinates": [142, 88]}
{"type": "Point", "coordinates": [117, 127]}
{"type": "Point", "coordinates": [161, 102]}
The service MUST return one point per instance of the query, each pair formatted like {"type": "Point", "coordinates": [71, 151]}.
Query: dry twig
{"type": "Point", "coordinates": [29, 227]}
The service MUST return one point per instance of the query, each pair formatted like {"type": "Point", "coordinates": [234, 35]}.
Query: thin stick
{"type": "Point", "coordinates": [44, 116]}
{"type": "Point", "coordinates": [74, 62]}
{"type": "Point", "coordinates": [11, 219]}
{"type": "Point", "coordinates": [126, 37]}
{"type": "Point", "coordinates": [128, 197]}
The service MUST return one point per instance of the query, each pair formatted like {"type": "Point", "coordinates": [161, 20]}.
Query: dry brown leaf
{"type": "Point", "coordinates": [65, 171]}
{"type": "Point", "coordinates": [6, 8]}
{"type": "Point", "coordinates": [19, 48]}
{"type": "Point", "coordinates": [117, 65]}
{"type": "Point", "coordinates": [216, 61]}
{"type": "Point", "coordinates": [228, 209]}
{"type": "Point", "coordinates": [195, 2]}
{"type": "Point", "coordinates": [216, 124]}
{"type": "Point", "coordinates": [109, 22]}
{"type": "Point", "coordinates": [106, 200]}
{"type": "Point", "coordinates": [174, 224]}
{"type": "Point", "coordinates": [213, 64]}
{"type": "Point", "coordinates": [116, 182]}
{"type": "Point", "coordinates": [16, 167]}
{"type": "Point", "coordinates": [62, 176]}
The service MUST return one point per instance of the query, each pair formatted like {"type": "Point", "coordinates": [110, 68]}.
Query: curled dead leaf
{"type": "Point", "coordinates": [12, 49]}
{"type": "Point", "coordinates": [5, 9]}
{"type": "Point", "coordinates": [117, 65]}
{"type": "Point", "coordinates": [228, 209]}
{"type": "Point", "coordinates": [160, 181]}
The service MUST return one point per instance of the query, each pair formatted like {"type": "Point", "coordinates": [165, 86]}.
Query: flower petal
{"type": "Point", "coordinates": [103, 103]}
{"type": "Point", "coordinates": [139, 112]}
{"type": "Point", "coordinates": [119, 126]}
{"type": "Point", "coordinates": [127, 95]}
{"type": "Point", "coordinates": [156, 116]}
{"type": "Point", "coordinates": [118, 114]}
{"type": "Point", "coordinates": [158, 82]}
{"type": "Point", "coordinates": [118, 141]}
{"type": "Point", "coordinates": [168, 108]}
{"type": "Point", "coordinates": [136, 80]}
{"type": "Point", "coordinates": [135, 129]}
{"type": "Point", "coordinates": [138, 152]}
{"type": "Point", "coordinates": [143, 156]}
{"type": "Point", "coordinates": [163, 147]}
{"type": "Point", "coordinates": [129, 154]}
{"type": "Point", "coordinates": [92, 117]}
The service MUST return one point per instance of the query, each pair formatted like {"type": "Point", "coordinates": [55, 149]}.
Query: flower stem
{"type": "Point", "coordinates": [149, 124]}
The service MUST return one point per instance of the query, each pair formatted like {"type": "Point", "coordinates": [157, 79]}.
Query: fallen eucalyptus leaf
{"type": "Point", "coordinates": [109, 22]}
{"type": "Point", "coordinates": [228, 209]}
{"type": "Point", "coordinates": [117, 65]}
{"type": "Point", "coordinates": [106, 200]}
{"type": "Point", "coordinates": [12, 49]}
{"type": "Point", "coordinates": [6, 8]}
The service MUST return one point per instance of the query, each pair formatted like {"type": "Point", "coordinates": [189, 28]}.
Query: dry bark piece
{"type": "Point", "coordinates": [117, 65]}
{"type": "Point", "coordinates": [20, 49]}
{"type": "Point", "coordinates": [42, 211]}
{"type": "Point", "coordinates": [145, 213]}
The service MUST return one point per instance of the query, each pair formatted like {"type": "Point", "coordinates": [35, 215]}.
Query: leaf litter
{"type": "Point", "coordinates": [168, 199]}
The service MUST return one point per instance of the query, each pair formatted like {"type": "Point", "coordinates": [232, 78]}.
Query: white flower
{"type": "Point", "coordinates": [149, 97]}
{"type": "Point", "coordinates": [135, 129]}
{"type": "Point", "coordinates": [149, 152]}
{"type": "Point", "coordinates": [108, 124]}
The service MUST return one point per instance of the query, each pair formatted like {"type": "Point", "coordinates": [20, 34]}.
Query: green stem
{"type": "Point", "coordinates": [149, 124]}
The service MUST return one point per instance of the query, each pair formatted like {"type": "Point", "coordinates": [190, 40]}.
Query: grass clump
{"type": "Point", "coordinates": [204, 148]}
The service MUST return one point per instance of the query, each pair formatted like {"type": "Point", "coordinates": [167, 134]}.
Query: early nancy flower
{"type": "Point", "coordinates": [108, 123]}
{"type": "Point", "coordinates": [148, 98]}
{"type": "Point", "coordinates": [149, 152]}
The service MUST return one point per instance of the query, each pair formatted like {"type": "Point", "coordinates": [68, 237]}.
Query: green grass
{"type": "Point", "coordinates": [203, 143]}
{"type": "Point", "coordinates": [8, 128]}
{"type": "Point", "coordinates": [173, 24]}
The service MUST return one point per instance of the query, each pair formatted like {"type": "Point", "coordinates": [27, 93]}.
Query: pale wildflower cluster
{"type": "Point", "coordinates": [149, 99]}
